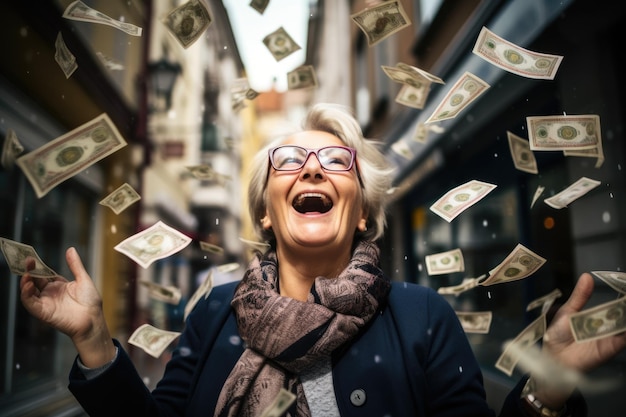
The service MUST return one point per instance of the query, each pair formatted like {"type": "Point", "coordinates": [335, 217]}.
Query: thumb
{"type": "Point", "coordinates": [76, 264]}
{"type": "Point", "coordinates": [581, 293]}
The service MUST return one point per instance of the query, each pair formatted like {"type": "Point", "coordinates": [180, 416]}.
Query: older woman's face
{"type": "Point", "coordinates": [313, 207]}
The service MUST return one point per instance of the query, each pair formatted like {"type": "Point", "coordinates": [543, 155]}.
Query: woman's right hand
{"type": "Point", "coordinates": [73, 308]}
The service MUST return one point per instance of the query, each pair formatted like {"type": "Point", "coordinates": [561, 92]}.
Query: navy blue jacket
{"type": "Point", "coordinates": [414, 359]}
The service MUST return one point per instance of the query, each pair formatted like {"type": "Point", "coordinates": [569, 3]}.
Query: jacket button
{"type": "Point", "coordinates": [357, 397]}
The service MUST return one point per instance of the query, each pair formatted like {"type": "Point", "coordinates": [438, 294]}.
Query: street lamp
{"type": "Point", "coordinates": [163, 76]}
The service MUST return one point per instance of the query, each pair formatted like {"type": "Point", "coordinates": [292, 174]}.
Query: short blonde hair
{"type": "Point", "coordinates": [371, 162]}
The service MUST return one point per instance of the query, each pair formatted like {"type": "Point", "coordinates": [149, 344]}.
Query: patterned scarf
{"type": "Point", "coordinates": [284, 336]}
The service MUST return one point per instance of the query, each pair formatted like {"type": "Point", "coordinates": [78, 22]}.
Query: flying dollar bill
{"type": "Point", "coordinates": [460, 198]}
{"type": "Point", "coordinates": [109, 62]}
{"type": "Point", "coordinates": [416, 84]}
{"type": "Point", "coordinates": [188, 22]}
{"type": "Point", "coordinates": [259, 5]}
{"type": "Point", "coordinates": [209, 247]}
{"type": "Point", "coordinates": [280, 44]}
{"type": "Point", "coordinates": [11, 149]}
{"type": "Point", "coordinates": [63, 57]}
{"type": "Point", "coordinates": [152, 340]}
{"type": "Point", "coordinates": [381, 21]}
{"type": "Point", "coordinates": [523, 341]}
{"type": "Point", "coordinates": [56, 161]}
{"type": "Point", "coordinates": [512, 58]}
{"type": "Point", "coordinates": [203, 290]}
{"type": "Point", "coordinates": [156, 242]}
{"type": "Point", "coordinates": [545, 302]}
{"type": "Point", "coordinates": [475, 321]}
{"type": "Point", "coordinates": [614, 279]}
{"type": "Point", "coordinates": [255, 245]}
{"type": "Point", "coordinates": [445, 262]}
{"type": "Point", "coordinates": [167, 293]}
{"type": "Point", "coordinates": [120, 199]}
{"type": "Point", "coordinates": [519, 264]}
{"type": "Point", "coordinates": [540, 189]}
{"type": "Point", "coordinates": [81, 12]}
{"type": "Point", "coordinates": [466, 285]}
{"type": "Point", "coordinates": [467, 89]}
{"type": "Point", "coordinates": [573, 192]}
{"type": "Point", "coordinates": [522, 155]}
{"type": "Point", "coordinates": [301, 78]}
{"type": "Point", "coordinates": [563, 132]}
{"type": "Point", "coordinates": [16, 254]}
{"type": "Point", "coordinates": [600, 321]}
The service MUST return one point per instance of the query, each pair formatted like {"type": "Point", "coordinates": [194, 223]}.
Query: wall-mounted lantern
{"type": "Point", "coordinates": [163, 76]}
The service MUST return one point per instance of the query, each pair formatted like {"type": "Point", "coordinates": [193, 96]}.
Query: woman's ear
{"type": "Point", "coordinates": [266, 224]}
{"type": "Point", "coordinates": [362, 226]}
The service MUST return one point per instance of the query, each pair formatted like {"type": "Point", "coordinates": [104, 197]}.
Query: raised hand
{"type": "Point", "coordinates": [72, 307]}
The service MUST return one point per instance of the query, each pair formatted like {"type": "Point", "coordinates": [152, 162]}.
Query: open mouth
{"type": "Point", "coordinates": [312, 203]}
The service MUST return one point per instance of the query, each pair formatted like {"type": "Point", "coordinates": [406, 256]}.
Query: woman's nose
{"type": "Point", "coordinates": [312, 167]}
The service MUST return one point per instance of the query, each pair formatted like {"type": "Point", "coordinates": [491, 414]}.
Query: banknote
{"type": "Point", "coordinates": [168, 293]}
{"type": "Point", "coordinates": [573, 192]}
{"type": "Point", "coordinates": [597, 152]}
{"type": "Point", "coordinates": [209, 247]}
{"type": "Point", "coordinates": [228, 267]}
{"type": "Point", "coordinates": [467, 284]}
{"type": "Point", "coordinates": [524, 340]}
{"type": "Point", "coordinates": [259, 5]}
{"type": "Point", "coordinates": [519, 264]}
{"type": "Point", "coordinates": [563, 132]}
{"type": "Point", "coordinates": [460, 198]}
{"type": "Point", "coordinates": [515, 59]}
{"type": "Point", "coordinates": [16, 253]}
{"type": "Point", "coordinates": [467, 89]}
{"type": "Point", "coordinates": [381, 21]}
{"type": "Point", "coordinates": [412, 96]}
{"type": "Point", "coordinates": [475, 321]}
{"type": "Point", "coordinates": [600, 321]}
{"type": "Point", "coordinates": [81, 12]}
{"type": "Point", "coordinates": [56, 161]}
{"type": "Point", "coordinates": [204, 289]}
{"type": "Point", "coordinates": [543, 367]}
{"type": "Point", "coordinates": [241, 91]}
{"type": "Point", "coordinates": [156, 242]}
{"type": "Point", "coordinates": [614, 279]}
{"type": "Point", "coordinates": [152, 340]}
{"type": "Point", "coordinates": [280, 44]}
{"type": "Point", "coordinates": [445, 262]}
{"type": "Point", "coordinates": [402, 148]}
{"type": "Point", "coordinates": [207, 173]}
{"type": "Point", "coordinates": [540, 189]}
{"type": "Point", "coordinates": [280, 404]}
{"type": "Point", "coordinates": [11, 149]}
{"type": "Point", "coordinates": [120, 199]}
{"type": "Point", "coordinates": [409, 75]}
{"type": "Point", "coordinates": [421, 133]}
{"type": "Point", "coordinates": [63, 57]}
{"type": "Point", "coordinates": [109, 62]}
{"type": "Point", "coordinates": [545, 302]}
{"type": "Point", "coordinates": [253, 244]}
{"type": "Point", "coordinates": [188, 22]}
{"type": "Point", "coordinates": [523, 157]}
{"type": "Point", "coordinates": [302, 77]}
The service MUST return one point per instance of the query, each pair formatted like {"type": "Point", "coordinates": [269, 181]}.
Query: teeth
{"type": "Point", "coordinates": [300, 199]}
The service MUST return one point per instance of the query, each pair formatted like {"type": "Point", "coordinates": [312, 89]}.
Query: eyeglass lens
{"type": "Point", "coordinates": [331, 158]}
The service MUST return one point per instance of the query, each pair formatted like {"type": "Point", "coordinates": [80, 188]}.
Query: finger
{"type": "Point", "coordinates": [581, 293]}
{"type": "Point", "coordinates": [76, 264]}
{"type": "Point", "coordinates": [26, 284]}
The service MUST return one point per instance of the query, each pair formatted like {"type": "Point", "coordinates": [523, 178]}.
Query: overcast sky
{"type": "Point", "coordinates": [250, 27]}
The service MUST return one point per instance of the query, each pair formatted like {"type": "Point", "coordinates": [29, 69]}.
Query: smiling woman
{"type": "Point", "coordinates": [250, 27]}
